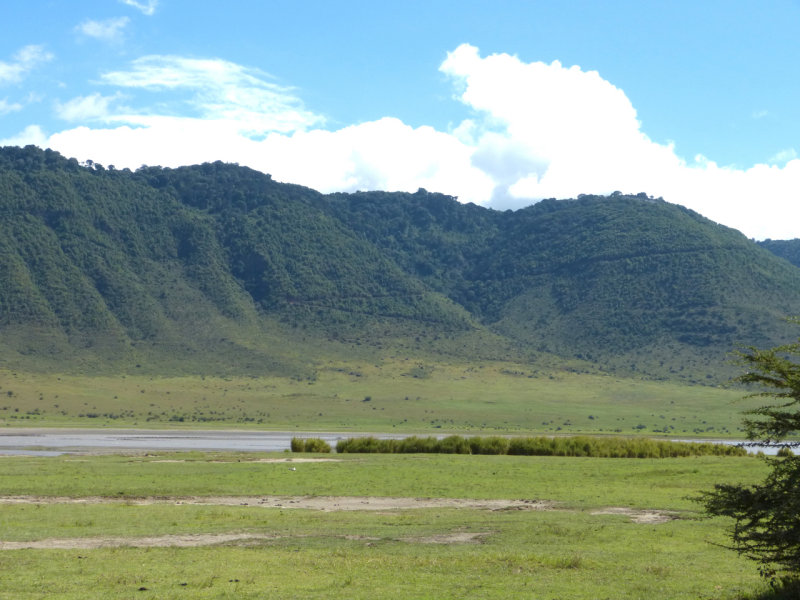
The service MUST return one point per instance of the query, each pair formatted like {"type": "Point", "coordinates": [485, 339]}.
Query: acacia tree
{"type": "Point", "coordinates": [767, 516]}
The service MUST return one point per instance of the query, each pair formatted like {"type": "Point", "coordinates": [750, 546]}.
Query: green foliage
{"type": "Point", "coordinates": [767, 515]}
{"type": "Point", "coordinates": [310, 445]}
{"type": "Point", "coordinates": [488, 445]}
{"type": "Point", "coordinates": [217, 268]}
{"type": "Point", "coordinates": [788, 249]}
{"type": "Point", "coordinates": [580, 446]}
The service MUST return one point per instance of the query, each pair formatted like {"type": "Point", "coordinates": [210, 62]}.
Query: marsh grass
{"type": "Point", "coordinates": [577, 446]}
{"type": "Point", "coordinates": [309, 445]}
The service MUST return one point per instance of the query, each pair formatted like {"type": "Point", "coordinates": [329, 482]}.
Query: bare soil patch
{"type": "Point", "coordinates": [259, 460]}
{"type": "Point", "coordinates": [210, 539]}
{"type": "Point", "coordinates": [461, 537]}
{"type": "Point", "coordinates": [323, 503]}
{"type": "Point", "coordinates": [161, 541]}
{"type": "Point", "coordinates": [639, 516]}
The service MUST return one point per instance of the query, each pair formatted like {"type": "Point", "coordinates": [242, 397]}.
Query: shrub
{"type": "Point", "coordinates": [578, 446]}
{"type": "Point", "coordinates": [453, 444]}
{"type": "Point", "coordinates": [364, 445]}
{"type": "Point", "coordinates": [416, 445]}
{"type": "Point", "coordinates": [488, 445]}
{"type": "Point", "coordinates": [310, 445]}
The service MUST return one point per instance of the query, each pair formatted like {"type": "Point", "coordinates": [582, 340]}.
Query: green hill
{"type": "Point", "coordinates": [217, 268]}
{"type": "Point", "coordinates": [788, 249]}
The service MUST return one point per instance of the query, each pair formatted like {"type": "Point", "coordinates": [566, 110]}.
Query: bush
{"type": "Point", "coordinates": [416, 445]}
{"type": "Point", "coordinates": [454, 444]}
{"type": "Point", "coordinates": [310, 445]}
{"type": "Point", "coordinates": [488, 445]}
{"type": "Point", "coordinates": [578, 446]}
{"type": "Point", "coordinates": [364, 445]}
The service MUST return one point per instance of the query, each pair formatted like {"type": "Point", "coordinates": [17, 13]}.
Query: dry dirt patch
{"type": "Point", "coordinates": [639, 516]}
{"type": "Point", "coordinates": [323, 503]}
{"type": "Point", "coordinates": [258, 460]}
{"type": "Point", "coordinates": [161, 541]}
{"type": "Point", "coordinates": [210, 539]}
{"type": "Point", "coordinates": [461, 537]}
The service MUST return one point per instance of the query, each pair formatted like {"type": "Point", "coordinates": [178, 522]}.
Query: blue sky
{"type": "Point", "coordinates": [500, 103]}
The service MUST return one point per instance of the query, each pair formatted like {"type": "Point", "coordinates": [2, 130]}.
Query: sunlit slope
{"type": "Point", "coordinates": [210, 267]}
{"type": "Point", "coordinates": [629, 283]}
{"type": "Point", "coordinates": [220, 269]}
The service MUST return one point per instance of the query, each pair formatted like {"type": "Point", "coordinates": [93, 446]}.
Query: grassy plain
{"type": "Point", "coordinates": [392, 395]}
{"type": "Point", "coordinates": [570, 551]}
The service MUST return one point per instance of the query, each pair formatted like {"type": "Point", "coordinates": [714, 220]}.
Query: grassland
{"type": "Point", "coordinates": [572, 550]}
{"type": "Point", "coordinates": [391, 395]}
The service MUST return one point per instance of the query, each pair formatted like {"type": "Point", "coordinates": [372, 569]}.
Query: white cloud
{"type": "Point", "coordinates": [538, 131]}
{"type": "Point", "coordinates": [783, 156]}
{"type": "Point", "coordinates": [24, 61]}
{"type": "Point", "coordinates": [109, 30]}
{"type": "Point", "coordinates": [576, 133]}
{"type": "Point", "coordinates": [32, 134]}
{"type": "Point", "coordinates": [86, 108]}
{"type": "Point", "coordinates": [220, 91]}
{"type": "Point", "coordinates": [148, 8]}
{"type": "Point", "coordinates": [7, 107]}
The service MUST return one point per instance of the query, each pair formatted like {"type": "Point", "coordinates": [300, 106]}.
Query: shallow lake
{"type": "Point", "coordinates": [51, 442]}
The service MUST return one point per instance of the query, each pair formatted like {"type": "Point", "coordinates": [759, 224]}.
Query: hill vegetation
{"type": "Point", "coordinates": [219, 269]}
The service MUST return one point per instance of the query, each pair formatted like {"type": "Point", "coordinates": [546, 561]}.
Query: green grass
{"type": "Point", "coordinates": [392, 395]}
{"type": "Point", "coordinates": [564, 553]}
{"type": "Point", "coordinates": [575, 482]}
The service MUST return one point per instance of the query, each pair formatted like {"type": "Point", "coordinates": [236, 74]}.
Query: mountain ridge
{"type": "Point", "coordinates": [219, 268]}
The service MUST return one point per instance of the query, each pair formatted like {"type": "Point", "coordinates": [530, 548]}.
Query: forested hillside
{"type": "Point", "coordinates": [788, 249]}
{"type": "Point", "coordinates": [217, 268]}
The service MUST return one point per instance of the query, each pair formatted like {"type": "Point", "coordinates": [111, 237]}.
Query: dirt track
{"type": "Point", "coordinates": [323, 503]}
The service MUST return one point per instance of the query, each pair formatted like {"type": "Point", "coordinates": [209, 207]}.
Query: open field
{"type": "Point", "coordinates": [397, 396]}
{"type": "Point", "coordinates": [225, 525]}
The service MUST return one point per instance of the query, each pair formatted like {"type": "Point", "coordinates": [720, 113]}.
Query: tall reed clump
{"type": "Point", "coordinates": [310, 445]}
{"type": "Point", "coordinates": [576, 446]}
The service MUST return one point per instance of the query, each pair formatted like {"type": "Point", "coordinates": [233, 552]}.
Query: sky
{"type": "Point", "coordinates": [499, 103]}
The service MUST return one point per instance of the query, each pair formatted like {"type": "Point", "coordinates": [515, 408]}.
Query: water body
{"type": "Point", "coordinates": [52, 442]}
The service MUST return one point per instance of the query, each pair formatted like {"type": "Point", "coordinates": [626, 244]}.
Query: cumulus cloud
{"type": "Point", "coordinates": [32, 134]}
{"type": "Point", "coordinates": [536, 131]}
{"type": "Point", "coordinates": [147, 8]}
{"type": "Point", "coordinates": [574, 132]}
{"type": "Point", "coordinates": [24, 61]}
{"type": "Point", "coordinates": [109, 30]}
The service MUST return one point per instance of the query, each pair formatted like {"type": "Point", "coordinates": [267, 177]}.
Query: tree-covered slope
{"type": "Point", "coordinates": [788, 249]}
{"type": "Point", "coordinates": [219, 268]}
{"type": "Point", "coordinates": [191, 264]}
